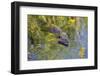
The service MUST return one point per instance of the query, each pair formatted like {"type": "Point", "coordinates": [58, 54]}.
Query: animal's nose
{"type": "Point", "coordinates": [63, 43]}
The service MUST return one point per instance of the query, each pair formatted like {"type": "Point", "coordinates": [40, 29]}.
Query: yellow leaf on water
{"type": "Point", "coordinates": [82, 52]}
{"type": "Point", "coordinates": [71, 21]}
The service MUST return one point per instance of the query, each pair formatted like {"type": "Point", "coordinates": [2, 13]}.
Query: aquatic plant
{"type": "Point", "coordinates": [54, 37]}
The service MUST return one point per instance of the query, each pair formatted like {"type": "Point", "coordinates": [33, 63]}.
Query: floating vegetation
{"type": "Point", "coordinates": [57, 37]}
